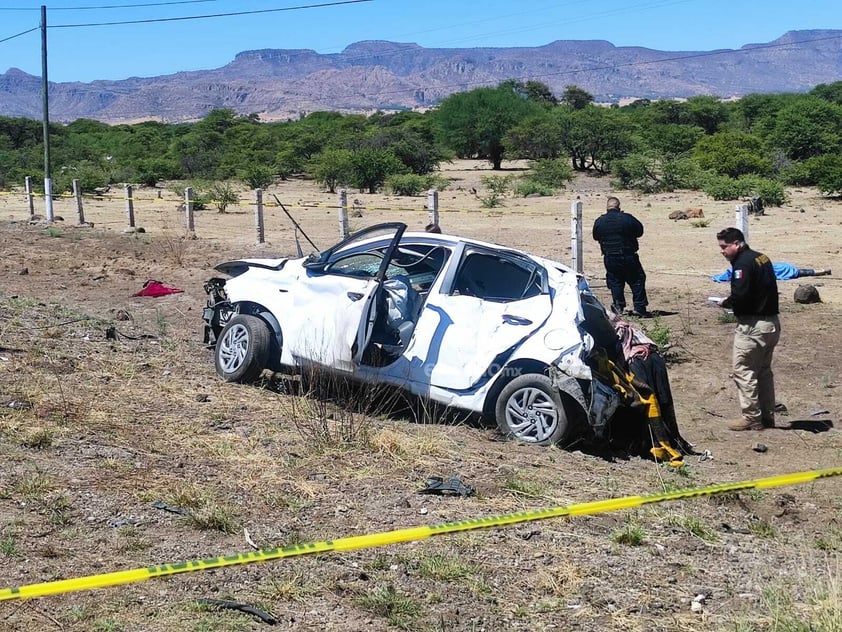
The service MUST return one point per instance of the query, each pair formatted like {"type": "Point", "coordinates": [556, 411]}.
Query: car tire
{"type": "Point", "coordinates": [242, 350]}
{"type": "Point", "coordinates": [530, 409]}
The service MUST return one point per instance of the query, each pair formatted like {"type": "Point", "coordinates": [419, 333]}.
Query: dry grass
{"type": "Point", "coordinates": [107, 427]}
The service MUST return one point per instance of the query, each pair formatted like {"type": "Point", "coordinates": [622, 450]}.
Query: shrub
{"type": "Point", "coordinates": [723, 188]}
{"type": "Point", "coordinates": [551, 172]}
{"type": "Point", "coordinates": [407, 183]}
{"type": "Point", "coordinates": [528, 186]}
{"type": "Point", "coordinates": [222, 194]}
{"type": "Point", "coordinates": [256, 176]}
{"type": "Point", "coordinates": [90, 177]}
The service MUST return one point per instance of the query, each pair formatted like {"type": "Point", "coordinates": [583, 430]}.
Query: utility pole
{"type": "Point", "coordinates": [48, 180]}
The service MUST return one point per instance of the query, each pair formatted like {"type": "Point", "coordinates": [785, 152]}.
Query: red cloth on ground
{"type": "Point", "coordinates": [155, 289]}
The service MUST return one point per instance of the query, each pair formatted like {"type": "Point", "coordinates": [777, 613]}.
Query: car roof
{"type": "Point", "coordinates": [452, 240]}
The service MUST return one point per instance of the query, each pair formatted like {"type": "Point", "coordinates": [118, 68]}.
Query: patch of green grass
{"type": "Point", "coordinates": [290, 587]}
{"type": "Point", "coordinates": [762, 529]}
{"type": "Point", "coordinates": [107, 624]}
{"type": "Point", "coordinates": [32, 485]}
{"type": "Point", "coordinates": [58, 509]}
{"type": "Point", "coordinates": [517, 485]}
{"type": "Point", "coordinates": [727, 318]}
{"type": "Point", "coordinates": [214, 517]}
{"type": "Point", "coordinates": [695, 526]}
{"type": "Point", "coordinates": [660, 333]}
{"type": "Point", "coordinates": [384, 601]}
{"type": "Point", "coordinates": [9, 546]}
{"type": "Point", "coordinates": [831, 541]}
{"type": "Point", "coordinates": [444, 567]}
{"type": "Point", "coordinates": [131, 539]}
{"type": "Point", "coordinates": [629, 535]}
{"type": "Point", "coordinates": [38, 439]}
{"type": "Point", "coordinates": [700, 223]}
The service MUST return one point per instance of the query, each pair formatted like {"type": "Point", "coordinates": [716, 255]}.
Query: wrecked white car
{"type": "Point", "coordinates": [468, 324]}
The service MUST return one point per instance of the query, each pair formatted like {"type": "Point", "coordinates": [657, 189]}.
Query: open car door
{"type": "Point", "coordinates": [338, 298]}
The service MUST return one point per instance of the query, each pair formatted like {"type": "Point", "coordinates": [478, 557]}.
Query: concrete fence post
{"type": "Point", "coordinates": [258, 216]}
{"type": "Point", "coordinates": [576, 250]}
{"type": "Point", "coordinates": [77, 194]}
{"type": "Point", "coordinates": [30, 199]}
{"type": "Point", "coordinates": [189, 220]}
{"type": "Point", "coordinates": [343, 214]}
{"type": "Point", "coordinates": [741, 219]}
{"type": "Point", "coordinates": [49, 213]}
{"type": "Point", "coordinates": [127, 190]}
{"type": "Point", "coordinates": [433, 206]}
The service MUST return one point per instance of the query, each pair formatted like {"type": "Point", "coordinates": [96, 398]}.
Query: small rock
{"type": "Point", "coordinates": [202, 397]}
{"type": "Point", "coordinates": [423, 511]}
{"type": "Point", "coordinates": [23, 271]}
{"type": "Point", "coordinates": [806, 294]}
{"type": "Point", "coordinates": [759, 447]}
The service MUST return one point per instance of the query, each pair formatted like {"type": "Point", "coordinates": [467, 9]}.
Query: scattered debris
{"type": "Point", "coordinates": [697, 605]}
{"type": "Point", "coordinates": [453, 486]}
{"type": "Point", "coordinates": [707, 455]}
{"type": "Point", "coordinates": [265, 617]}
{"type": "Point", "coordinates": [156, 288]}
{"type": "Point", "coordinates": [159, 504]}
{"type": "Point", "coordinates": [23, 271]}
{"type": "Point", "coordinates": [19, 404]}
{"type": "Point", "coordinates": [822, 411]}
{"type": "Point", "coordinates": [760, 447]}
{"type": "Point", "coordinates": [250, 542]}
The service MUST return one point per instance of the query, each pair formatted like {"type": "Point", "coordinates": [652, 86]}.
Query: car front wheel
{"type": "Point", "coordinates": [242, 350]}
{"type": "Point", "coordinates": [531, 409]}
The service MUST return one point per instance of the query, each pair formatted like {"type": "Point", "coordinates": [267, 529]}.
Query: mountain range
{"type": "Point", "coordinates": [367, 76]}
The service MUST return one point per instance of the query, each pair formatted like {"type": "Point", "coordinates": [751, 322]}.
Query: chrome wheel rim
{"type": "Point", "coordinates": [233, 347]}
{"type": "Point", "coordinates": [531, 415]}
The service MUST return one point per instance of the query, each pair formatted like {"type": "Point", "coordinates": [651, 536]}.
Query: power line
{"type": "Point", "coordinates": [113, 6]}
{"type": "Point", "coordinates": [35, 28]}
{"type": "Point", "coordinates": [132, 6]}
{"type": "Point", "coordinates": [213, 15]}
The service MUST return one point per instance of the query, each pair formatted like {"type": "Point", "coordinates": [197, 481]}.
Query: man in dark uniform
{"type": "Point", "coordinates": [617, 233]}
{"type": "Point", "coordinates": [754, 299]}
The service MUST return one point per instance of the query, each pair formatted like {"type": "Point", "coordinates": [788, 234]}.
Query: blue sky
{"type": "Point", "coordinates": [156, 48]}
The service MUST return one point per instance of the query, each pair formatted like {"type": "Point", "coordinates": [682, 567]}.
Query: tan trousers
{"type": "Point", "coordinates": [754, 343]}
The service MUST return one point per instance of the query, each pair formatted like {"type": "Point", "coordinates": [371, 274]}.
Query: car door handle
{"type": "Point", "coordinates": [510, 319]}
{"type": "Point", "coordinates": [355, 296]}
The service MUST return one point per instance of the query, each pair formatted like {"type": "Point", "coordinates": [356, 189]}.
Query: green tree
{"type": "Point", "coordinates": [808, 127]}
{"type": "Point", "coordinates": [829, 92]}
{"type": "Point", "coordinates": [538, 136]}
{"type": "Point", "coordinates": [595, 136]}
{"type": "Point", "coordinates": [732, 154]}
{"type": "Point", "coordinates": [370, 168]}
{"type": "Point", "coordinates": [474, 123]}
{"type": "Point", "coordinates": [332, 168]}
{"type": "Point", "coordinates": [576, 97]}
{"type": "Point", "coordinates": [707, 112]}
{"type": "Point", "coordinates": [534, 91]}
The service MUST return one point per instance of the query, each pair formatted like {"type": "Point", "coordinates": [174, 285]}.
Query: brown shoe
{"type": "Point", "coordinates": [745, 424]}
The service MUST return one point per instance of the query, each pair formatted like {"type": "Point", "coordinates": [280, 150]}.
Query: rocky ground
{"type": "Point", "coordinates": [111, 405]}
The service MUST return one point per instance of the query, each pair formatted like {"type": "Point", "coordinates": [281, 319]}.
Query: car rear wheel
{"type": "Point", "coordinates": [531, 409]}
{"type": "Point", "coordinates": [242, 350]}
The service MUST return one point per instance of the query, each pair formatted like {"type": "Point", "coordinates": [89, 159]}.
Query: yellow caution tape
{"type": "Point", "coordinates": [401, 535]}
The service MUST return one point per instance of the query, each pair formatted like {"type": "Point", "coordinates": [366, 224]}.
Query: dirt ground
{"type": "Point", "coordinates": [95, 431]}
